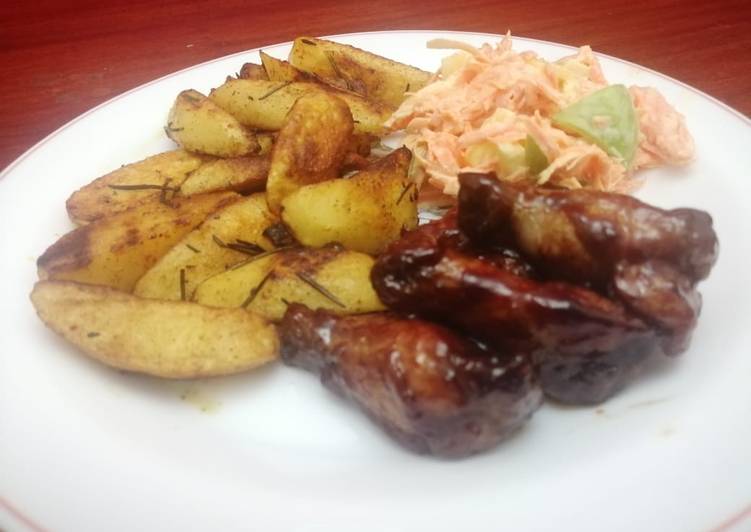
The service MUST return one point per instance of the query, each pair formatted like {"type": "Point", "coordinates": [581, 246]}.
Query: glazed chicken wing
{"type": "Point", "coordinates": [429, 388]}
{"type": "Point", "coordinates": [585, 345]}
{"type": "Point", "coordinates": [647, 258]}
{"type": "Point", "coordinates": [582, 235]}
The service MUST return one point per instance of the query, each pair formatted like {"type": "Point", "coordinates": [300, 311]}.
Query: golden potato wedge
{"type": "Point", "coordinates": [117, 250]}
{"type": "Point", "coordinates": [172, 339]}
{"type": "Point", "coordinates": [240, 174]}
{"type": "Point", "coordinates": [265, 104]}
{"type": "Point", "coordinates": [197, 124]}
{"type": "Point", "coordinates": [280, 70]}
{"type": "Point", "coordinates": [310, 147]}
{"type": "Point", "coordinates": [252, 71]}
{"type": "Point", "coordinates": [132, 184]}
{"type": "Point", "coordinates": [226, 237]}
{"type": "Point", "coordinates": [363, 213]}
{"type": "Point", "coordinates": [327, 277]}
{"type": "Point", "coordinates": [372, 76]}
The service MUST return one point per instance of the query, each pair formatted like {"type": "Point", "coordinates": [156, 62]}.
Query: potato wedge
{"type": "Point", "coordinates": [240, 174]}
{"type": "Point", "coordinates": [119, 190]}
{"type": "Point", "coordinates": [252, 71]}
{"type": "Point", "coordinates": [265, 104]}
{"type": "Point", "coordinates": [363, 213]}
{"type": "Point", "coordinates": [330, 278]}
{"type": "Point", "coordinates": [172, 339]}
{"type": "Point", "coordinates": [116, 251]}
{"type": "Point", "coordinates": [280, 70]}
{"type": "Point", "coordinates": [198, 124]}
{"type": "Point", "coordinates": [226, 237]}
{"type": "Point", "coordinates": [372, 76]}
{"type": "Point", "coordinates": [310, 147]}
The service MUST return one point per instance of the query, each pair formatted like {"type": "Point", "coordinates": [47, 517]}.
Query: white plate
{"type": "Point", "coordinates": [83, 447]}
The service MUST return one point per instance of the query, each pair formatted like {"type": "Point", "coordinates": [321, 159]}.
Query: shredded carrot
{"type": "Point", "coordinates": [483, 104]}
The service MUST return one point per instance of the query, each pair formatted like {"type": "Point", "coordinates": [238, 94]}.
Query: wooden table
{"type": "Point", "coordinates": [60, 58]}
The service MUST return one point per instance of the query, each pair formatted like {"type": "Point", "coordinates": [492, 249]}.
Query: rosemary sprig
{"type": "Point", "coordinates": [163, 192]}
{"type": "Point", "coordinates": [144, 187]}
{"type": "Point", "coordinates": [308, 279]}
{"type": "Point", "coordinates": [242, 246]}
{"type": "Point", "coordinates": [259, 257]}
{"type": "Point", "coordinates": [404, 192]}
{"type": "Point", "coordinates": [255, 290]}
{"type": "Point", "coordinates": [272, 91]}
{"type": "Point", "coordinates": [182, 285]}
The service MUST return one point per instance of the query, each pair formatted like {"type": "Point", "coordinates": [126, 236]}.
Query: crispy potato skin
{"type": "Point", "coordinates": [311, 146]}
{"type": "Point", "coordinates": [201, 256]}
{"type": "Point", "coordinates": [371, 76]}
{"type": "Point", "coordinates": [244, 175]}
{"type": "Point", "coordinates": [116, 251]}
{"type": "Point", "coordinates": [197, 124]}
{"type": "Point", "coordinates": [345, 274]}
{"type": "Point", "coordinates": [363, 213]}
{"type": "Point", "coordinates": [264, 104]}
{"type": "Point", "coordinates": [99, 199]}
{"type": "Point", "coordinates": [176, 340]}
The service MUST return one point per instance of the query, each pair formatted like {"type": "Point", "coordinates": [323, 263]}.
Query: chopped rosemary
{"type": "Point", "coordinates": [182, 284]}
{"type": "Point", "coordinates": [272, 91]}
{"type": "Point", "coordinates": [407, 89]}
{"type": "Point", "coordinates": [93, 334]}
{"type": "Point", "coordinates": [242, 246]}
{"type": "Point", "coordinates": [308, 41]}
{"type": "Point", "coordinates": [193, 249]}
{"type": "Point", "coordinates": [144, 187]}
{"type": "Point", "coordinates": [163, 192]}
{"type": "Point", "coordinates": [250, 247]}
{"type": "Point", "coordinates": [404, 192]}
{"type": "Point", "coordinates": [259, 257]}
{"type": "Point", "coordinates": [308, 279]}
{"type": "Point", "coordinates": [284, 301]}
{"type": "Point", "coordinates": [170, 127]}
{"type": "Point", "coordinates": [254, 291]}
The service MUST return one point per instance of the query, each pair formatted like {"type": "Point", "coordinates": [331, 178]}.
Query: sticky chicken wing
{"type": "Point", "coordinates": [432, 390]}
{"type": "Point", "coordinates": [586, 346]}
{"type": "Point", "coordinates": [582, 235]}
{"type": "Point", "coordinates": [646, 258]}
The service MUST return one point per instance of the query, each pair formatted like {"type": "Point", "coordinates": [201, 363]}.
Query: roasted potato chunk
{"type": "Point", "coordinates": [280, 70]}
{"type": "Point", "coordinates": [363, 213]}
{"type": "Point", "coordinates": [264, 104]}
{"type": "Point", "coordinates": [240, 174]}
{"type": "Point", "coordinates": [117, 250]}
{"type": "Point", "coordinates": [252, 71]}
{"type": "Point", "coordinates": [198, 124]}
{"type": "Point", "coordinates": [172, 339]}
{"type": "Point", "coordinates": [131, 184]}
{"type": "Point", "coordinates": [328, 277]}
{"type": "Point", "coordinates": [310, 147]}
{"type": "Point", "coordinates": [369, 75]}
{"type": "Point", "coordinates": [227, 237]}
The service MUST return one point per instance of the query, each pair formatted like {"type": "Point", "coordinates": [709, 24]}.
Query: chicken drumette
{"type": "Point", "coordinates": [647, 258]}
{"type": "Point", "coordinates": [431, 389]}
